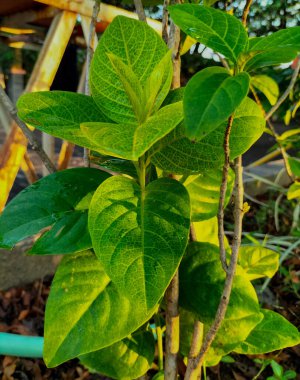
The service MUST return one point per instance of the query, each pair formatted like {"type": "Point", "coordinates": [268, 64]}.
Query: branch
{"type": "Point", "coordinates": [223, 189]}
{"type": "Point", "coordinates": [286, 92]}
{"type": "Point", "coordinates": [197, 338]}
{"type": "Point", "coordinates": [197, 362]}
{"type": "Point", "coordinates": [165, 20]}
{"type": "Point", "coordinates": [246, 12]}
{"type": "Point", "coordinates": [172, 293]}
{"type": "Point", "coordinates": [27, 132]}
{"type": "Point", "coordinates": [140, 10]}
{"type": "Point", "coordinates": [275, 135]}
{"type": "Point", "coordinates": [89, 56]}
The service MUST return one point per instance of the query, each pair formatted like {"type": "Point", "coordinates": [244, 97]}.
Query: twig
{"type": "Point", "coordinates": [275, 135]}
{"type": "Point", "coordinates": [238, 217]}
{"type": "Point", "coordinates": [195, 348]}
{"type": "Point", "coordinates": [27, 132]}
{"type": "Point", "coordinates": [89, 56]}
{"type": "Point", "coordinates": [286, 92]}
{"type": "Point", "coordinates": [140, 10]}
{"type": "Point", "coordinates": [165, 21]}
{"type": "Point", "coordinates": [246, 12]}
{"type": "Point", "coordinates": [223, 189]}
{"type": "Point", "coordinates": [172, 293]}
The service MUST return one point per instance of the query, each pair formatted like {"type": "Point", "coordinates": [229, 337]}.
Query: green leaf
{"type": "Point", "coordinates": [273, 333]}
{"type": "Point", "coordinates": [130, 226]}
{"type": "Point", "coordinates": [268, 86]}
{"type": "Point", "coordinates": [277, 369]}
{"type": "Point", "coordinates": [294, 191]}
{"type": "Point", "coordinates": [209, 2]}
{"type": "Point", "coordinates": [295, 165]}
{"type": "Point", "coordinates": [177, 154]}
{"type": "Point", "coordinates": [143, 57]}
{"type": "Point", "coordinates": [131, 141]}
{"type": "Point", "coordinates": [261, 58]}
{"type": "Point", "coordinates": [51, 201]}
{"type": "Point", "coordinates": [85, 312]}
{"type": "Point", "coordinates": [285, 38]}
{"type": "Point", "coordinates": [216, 29]}
{"type": "Point", "coordinates": [204, 191]}
{"type": "Point", "coordinates": [60, 114]}
{"type": "Point", "coordinates": [210, 97]}
{"type": "Point", "coordinates": [124, 360]}
{"type": "Point", "coordinates": [113, 164]}
{"type": "Point", "coordinates": [207, 232]}
{"type": "Point", "coordinates": [201, 284]}
{"type": "Point", "coordinates": [159, 376]}
{"type": "Point", "coordinates": [258, 261]}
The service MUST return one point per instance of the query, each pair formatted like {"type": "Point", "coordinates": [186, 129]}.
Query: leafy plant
{"type": "Point", "coordinates": [125, 236]}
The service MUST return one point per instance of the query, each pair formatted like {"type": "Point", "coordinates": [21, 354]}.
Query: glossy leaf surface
{"type": "Point", "coordinates": [141, 49]}
{"type": "Point", "coordinates": [213, 28]}
{"type": "Point", "coordinates": [177, 154]}
{"type": "Point", "coordinates": [129, 227]}
{"type": "Point", "coordinates": [268, 86]}
{"type": "Point", "coordinates": [60, 114]}
{"type": "Point", "coordinates": [273, 333]}
{"type": "Point", "coordinates": [124, 360]}
{"type": "Point", "coordinates": [85, 311]}
{"type": "Point", "coordinates": [210, 97]}
{"type": "Point", "coordinates": [51, 201]}
{"type": "Point", "coordinates": [204, 191]}
{"type": "Point", "coordinates": [258, 261]}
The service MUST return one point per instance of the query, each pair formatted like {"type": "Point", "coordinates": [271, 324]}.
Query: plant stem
{"type": "Point", "coordinates": [223, 189]}
{"type": "Point", "coordinates": [172, 293]}
{"type": "Point", "coordinates": [27, 132]}
{"type": "Point", "coordinates": [140, 10]}
{"type": "Point", "coordinates": [172, 328]}
{"type": "Point", "coordinates": [275, 135]}
{"type": "Point", "coordinates": [89, 56]}
{"type": "Point", "coordinates": [160, 350]}
{"type": "Point", "coordinates": [238, 217]}
{"type": "Point", "coordinates": [286, 92]}
{"type": "Point", "coordinates": [246, 12]}
{"type": "Point", "coordinates": [195, 349]}
{"type": "Point", "coordinates": [165, 20]}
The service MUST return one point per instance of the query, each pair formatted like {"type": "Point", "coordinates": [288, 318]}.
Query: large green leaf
{"type": "Point", "coordinates": [140, 236]}
{"type": "Point", "coordinates": [204, 191]}
{"type": "Point", "coordinates": [285, 38]}
{"type": "Point", "coordinates": [141, 50]}
{"type": "Point", "coordinates": [177, 154]}
{"type": "Point", "coordinates": [216, 29]}
{"type": "Point", "coordinates": [273, 333]}
{"type": "Point", "coordinates": [124, 360]}
{"type": "Point", "coordinates": [261, 58]}
{"type": "Point", "coordinates": [85, 311]}
{"type": "Point", "coordinates": [201, 284]}
{"type": "Point", "coordinates": [131, 141]}
{"type": "Point", "coordinates": [60, 114]}
{"type": "Point", "coordinates": [268, 86]}
{"type": "Point", "coordinates": [258, 261]}
{"type": "Point", "coordinates": [210, 97]}
{"type": "Point", "coordinates": [207, 232]}
{"type": "Point", "coordinates": [52, 201]}
{"type": "Point", "coordinates": [294, 191]}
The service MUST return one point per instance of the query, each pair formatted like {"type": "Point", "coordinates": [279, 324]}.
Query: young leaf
{"type": "Point", "coordinates": [201, 285]}
{"type": "Point", "coordinates": [258, 261]}
{"type": "Point", "coordinates": [130, 226]}
{"type": "Point", "coordinates": [85, 311]}
{"type": "Point", "coordinates": [294, 191]}
{"type": "Point", "coordinates": [131, 141]}
{"type": "Point", "coordinates": [273, 333]}
{"type": "Point", "coordinates": [216, 29]}
{"type": "Point", "coordinates": [210, 97]}
{"type": "Point", "coordinates": [268, 86]}
{"type": "Point", "coordinates": [51, 201]}
{"type": "Point", "coordinates": [285, 38]}
{"type": "Point", "coordinates": [124, 360]}
{"type": "Point", "coordinates": [60, 114]}
{"type": "Point", "coordinates": [142, 56]}
{"type": "Point", "coordinates": [204, 191]}
{"type": "Point", "coordinates": [177, 154]}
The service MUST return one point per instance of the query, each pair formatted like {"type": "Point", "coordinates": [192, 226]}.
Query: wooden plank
{"type": "Point", "coordinates": [107, 12]}
{"type": "Point", "coordinates": [21, 19]}
{"type": "Point", "coordinates": [41, 79]}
